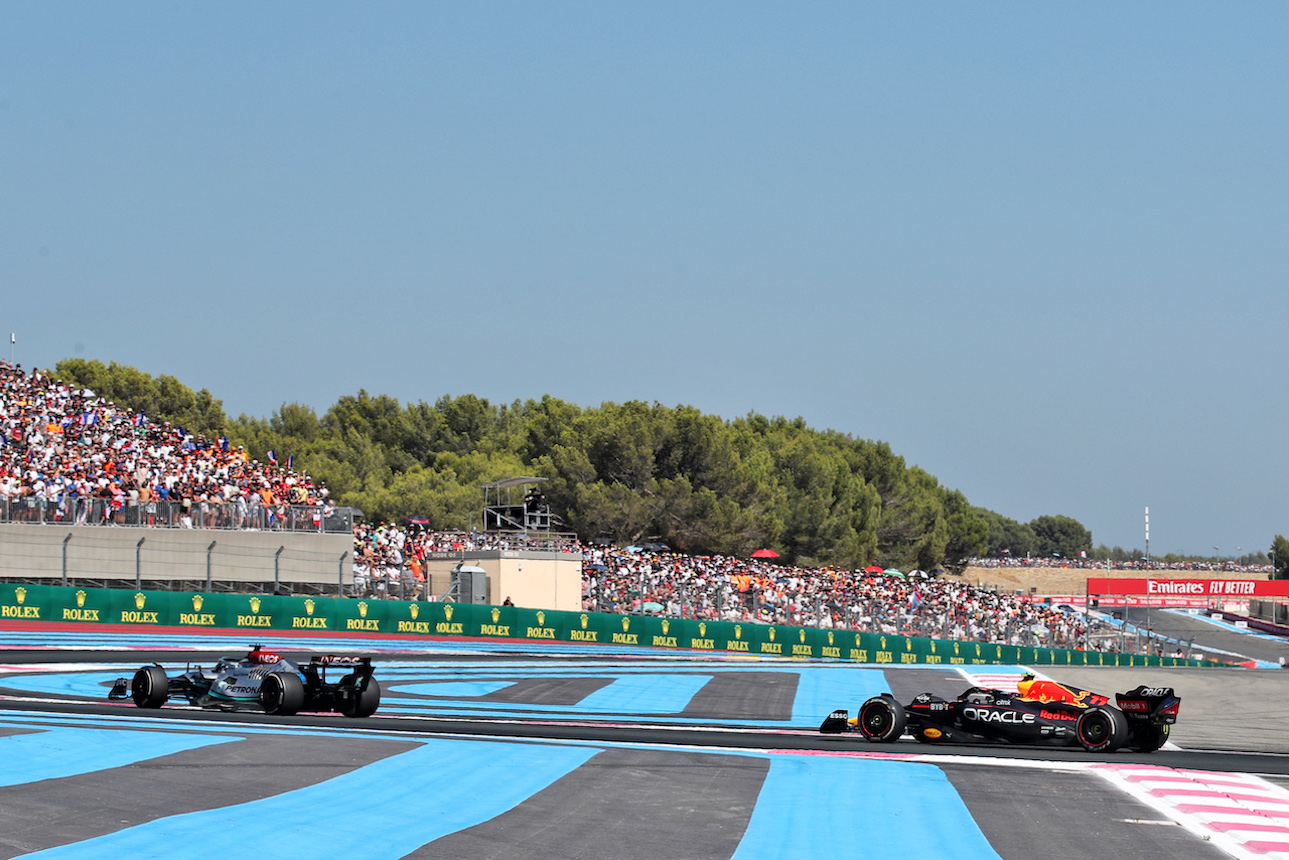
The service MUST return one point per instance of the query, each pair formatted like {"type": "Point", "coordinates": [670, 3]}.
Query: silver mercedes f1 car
{"type": "Point", "coordinates": [262, 680]}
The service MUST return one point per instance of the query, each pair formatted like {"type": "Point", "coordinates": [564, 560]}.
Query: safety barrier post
{"type": "Point", "coordinates": [65, 540]}
{"type": "Point", "coordinates": [138, 573]}
{"type": "Point", "coordinates": [208, 551]}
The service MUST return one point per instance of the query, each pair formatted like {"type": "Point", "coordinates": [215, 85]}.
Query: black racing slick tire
{"type": "Point", "coordinates": [1150, 738]}
{"type": "Point", "coordinates": [282, 694]}
{"type": "Point", "coordinates": [1102, 729]}
{"type": "Point", "coordinates": [362, 703]}
{"type": "Point", "coordinates": [882, 720]}
{"type": "Point", "coordinates": [150, 687]}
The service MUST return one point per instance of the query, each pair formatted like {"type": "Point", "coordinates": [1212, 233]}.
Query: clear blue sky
{"type": "Point", "coordinates": [1040, 249]}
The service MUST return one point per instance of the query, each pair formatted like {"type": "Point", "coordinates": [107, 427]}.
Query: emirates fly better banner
{"type": "Point", "coordinates": [1201, 588]}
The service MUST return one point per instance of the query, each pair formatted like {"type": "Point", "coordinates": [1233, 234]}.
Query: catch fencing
{"type": "Point", "coordinates": [190, 514]}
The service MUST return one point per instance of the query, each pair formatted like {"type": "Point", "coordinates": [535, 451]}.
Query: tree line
{"type": "Point", "coordinates": [629, 472]}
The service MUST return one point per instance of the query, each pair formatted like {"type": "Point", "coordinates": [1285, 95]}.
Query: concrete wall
{"type": "Point", "coordinates": [108, 552]}
{"type": "Point", "coordinates": [536, 580]}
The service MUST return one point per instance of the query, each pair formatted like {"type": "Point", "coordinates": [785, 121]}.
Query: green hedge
{"type": "Point", "coordinates": [225, 612]}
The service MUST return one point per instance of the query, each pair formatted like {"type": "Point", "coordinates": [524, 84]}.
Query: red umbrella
{"type": "Point", "coordinates": [765, 553]}
{"type": "Point", "coordinates": [872, 568]}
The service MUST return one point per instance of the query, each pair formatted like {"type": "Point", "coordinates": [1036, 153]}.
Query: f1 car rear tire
{"type": "Point", "coordinates": [365, 703]}
{"type": "Point", "coordinates": [1150, 738]}
{"type": "Point", "coordinates": [1102, 729]}
{"type": "Point", "coordinates": [282, 693]}
{"type": "Point", "coordinates": [150, 687]}
{"type": "Point", "coordinates": [882, 720]}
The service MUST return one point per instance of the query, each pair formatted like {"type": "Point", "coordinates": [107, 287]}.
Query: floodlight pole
{"type": "Point", "coordinates": [1147, 570]}
{"type": "Point", "coordinates": [1147, 539]}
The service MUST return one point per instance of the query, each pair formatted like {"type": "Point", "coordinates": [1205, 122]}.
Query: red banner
{"type": "Point", "coordinates": [1192, 588]}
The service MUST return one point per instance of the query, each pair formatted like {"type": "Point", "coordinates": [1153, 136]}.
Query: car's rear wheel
{"type": "Point", "coordinates": [150, 687]}
{"type": "Point", "coordinates": [1102, 729]}
{"type": "Point", "coordinates": [282, 693]}
{"type": "Point", "coordinates": [1150, 738]}
{"type": "Point", "coordinates": [882, 720]}
{"type": "Point", "coordinates": [362, 703]}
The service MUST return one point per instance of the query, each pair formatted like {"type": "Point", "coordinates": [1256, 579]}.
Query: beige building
{"type": "Point", "coordinates": [530, 578]}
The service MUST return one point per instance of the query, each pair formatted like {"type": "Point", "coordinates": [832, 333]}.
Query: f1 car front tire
{"type": "Point", "coordinates": [882, 720]}
{"type": "Point", "coordinates": [360, 704]}
{"type": "Point", "coordinates": [150, 687]}
{"type": "Point", "coordinates": [282, 694]}
{"type": "Point", "coordinates": [1102, 729]}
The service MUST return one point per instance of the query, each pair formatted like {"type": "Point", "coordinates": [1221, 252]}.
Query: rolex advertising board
{"type": "Point", "coordinates": [70, 606]}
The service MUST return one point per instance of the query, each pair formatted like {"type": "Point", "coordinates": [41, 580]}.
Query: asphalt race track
{"type": "Point", "coordinates": [522, 752]}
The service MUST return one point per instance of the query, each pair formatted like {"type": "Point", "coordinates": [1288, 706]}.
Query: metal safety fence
{"type": "Point", "coordinates": [186, 514]}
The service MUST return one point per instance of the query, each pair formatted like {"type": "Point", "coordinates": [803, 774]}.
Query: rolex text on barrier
{"type": "Point", "coordinates": [70, 607]}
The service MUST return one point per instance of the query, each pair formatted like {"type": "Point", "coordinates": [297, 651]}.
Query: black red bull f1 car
{"type": "Point", "coordinates": [262, 680]}
{"type": "Point", "coordinates": [1041, 713]}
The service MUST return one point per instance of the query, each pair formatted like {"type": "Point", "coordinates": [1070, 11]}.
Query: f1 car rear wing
{"type": "Point", "coordinates": [343, 660]}
{"type": "Point", "coordinates": [317, 666]}
{"type": "Point", "coordinates": [1159, 705]}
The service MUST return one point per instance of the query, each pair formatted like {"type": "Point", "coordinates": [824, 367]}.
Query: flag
{"type": "Point", "coordinates": [915, 598]}
{"type": "Point", "coordinates": [89, 418]}
{"type": "Point", "coordinates": [139, 419]}
{"type": "Point", "coordinates": [223, 444]}
{"type": "Point", "coordinates": [272, 455]}
{"type": "Point", "coordinates": [290, 461]}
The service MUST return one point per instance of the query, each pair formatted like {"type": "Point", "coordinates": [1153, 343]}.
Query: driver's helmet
{"type": "Point", "coordinates": [1023, 685]}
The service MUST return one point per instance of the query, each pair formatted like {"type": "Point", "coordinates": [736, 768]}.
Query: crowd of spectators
{"type": "Point", "coordinates": [69, 456]}
{"type": "Point", "coordinates": [389, 562]}
{"type": "Point", "coordinates": [1110, 564]}
{"type": "Point", "coordinates": [917, 604]}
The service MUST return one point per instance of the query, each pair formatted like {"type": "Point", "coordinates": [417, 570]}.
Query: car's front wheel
{"type": "Point", "coordinates": [882, 720]}
{"type": "Point", "coordinates": [282, 693]}
{"type": "Point", "coordinates": [150, 687]}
